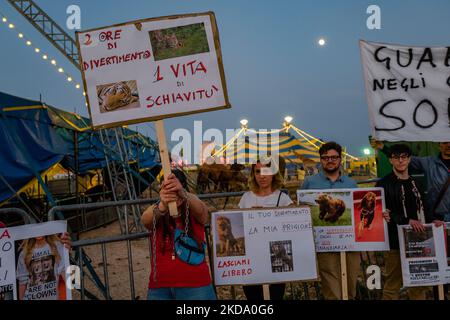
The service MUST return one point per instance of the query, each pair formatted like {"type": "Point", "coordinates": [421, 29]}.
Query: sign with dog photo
{"type": "Point", "coordinates": [347, 219]}
{"type": "Point", "coordinates": [34, 262]}
{"type": "Point", "coordinates": [152, 69]}
{"type": "Point", "coordinates": [424, 255]}
{"type": "Point", "coordinates": [258, 246]}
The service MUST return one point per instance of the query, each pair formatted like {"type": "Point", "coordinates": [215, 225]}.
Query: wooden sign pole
{"type": "Point", "coordinates": [441, 292]}
{"type": "Point", "coordinates": [164, 153]}
{"type": "Point", "coordinates": [266, 292]}
{"type": "Point", "coordinates": [344, 276]}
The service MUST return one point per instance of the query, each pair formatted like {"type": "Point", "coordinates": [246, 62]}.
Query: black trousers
{"type": "Point", "coordinates": [255, 292]}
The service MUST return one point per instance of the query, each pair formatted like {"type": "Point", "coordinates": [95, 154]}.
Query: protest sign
{"type": "Point", "coordinates": [257, 246]}
{"type": "Point", "coordinates": [34, 266]}
{"type": "Point", "coordinates": [424, 255]}
{"type": "Point", "coordinates": [408, 91]}
{"type": "Point", "coordinates": [347, 219]}
{"type": "Point", "coordinates": [152, 69]}
{"type": "Point", "coordinates": [7, 274]}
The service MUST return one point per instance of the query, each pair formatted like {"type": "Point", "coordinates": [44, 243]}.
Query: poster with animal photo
{"type": "Point", "coordinates": [152, 69]}
{"type": "Point", "coordinates": [37, 262]}
{"type": "Point", "coordinates": [257, 246]}
{"type": "Point", "coordinates": [347, 219]}
{"type": "Point", "coordinates": [423, 256]}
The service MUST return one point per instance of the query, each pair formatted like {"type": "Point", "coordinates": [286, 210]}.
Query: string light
{"type": "Point", "coordinates": [44, 56]}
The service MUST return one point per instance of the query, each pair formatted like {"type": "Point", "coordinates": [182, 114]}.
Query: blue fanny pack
{"type": "Point", "coordinates": [187, 249]}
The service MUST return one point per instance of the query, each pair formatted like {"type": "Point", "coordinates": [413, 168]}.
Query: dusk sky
{"type": "Point", "coordinates": [273, 64]}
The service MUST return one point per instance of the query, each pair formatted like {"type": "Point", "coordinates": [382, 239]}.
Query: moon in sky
{"type": "Point", "coordinates": [321, 42]}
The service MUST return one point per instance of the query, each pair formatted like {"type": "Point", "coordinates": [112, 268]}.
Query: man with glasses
{"type": "Point", "coordinates": [404, 205]}
{"type": "Point", "coordinates": [331, 177]}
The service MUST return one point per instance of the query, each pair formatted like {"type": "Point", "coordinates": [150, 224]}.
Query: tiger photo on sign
{"type": "Point", "coordinates": [118, 96]}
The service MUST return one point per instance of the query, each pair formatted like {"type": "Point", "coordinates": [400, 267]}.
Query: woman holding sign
{"type": "Point", "coordinates": [178, 267]}
{"type": "Point", "coordinates": [266, 179]}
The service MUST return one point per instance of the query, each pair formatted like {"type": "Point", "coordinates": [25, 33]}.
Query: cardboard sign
{"type": "Point", "coordinates": [152, 69]}
{"type": "Point", "coordinates": [33, 262]}
{"type": "Point", "coordinates": [424, 255]}
{"type": "Point", "coordinates": [257, 246]}
{"type": "Point", "coordinates": [408, 91]}
{"type": "Point", "coordinates": [347, 219]}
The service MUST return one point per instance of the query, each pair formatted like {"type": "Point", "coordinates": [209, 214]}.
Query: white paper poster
{"type": "Point", "coordinates": [424, 255]}
{"type": "Point", "coordinates": [257, 246]}
{"type": "Point", "coordinates": [153, 69]}
{"type": "Point", "coordinates": [33, 262]}
{"type": "Point", "coordinates": [347, 219]}
{"type": "Point", "coordinates": [408, 91]}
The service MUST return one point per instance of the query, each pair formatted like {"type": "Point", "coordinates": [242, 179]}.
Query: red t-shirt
{"type": "Point", "coordinates": [171, 272]}
{"type": "Point", "coordinates": [2, 225]}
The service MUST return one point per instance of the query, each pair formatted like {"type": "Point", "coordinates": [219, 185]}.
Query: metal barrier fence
{"type": "Point", "coordinates": [27, 218]}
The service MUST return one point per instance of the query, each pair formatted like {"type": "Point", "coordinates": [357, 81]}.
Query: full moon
{"type": "Point", "coordinates": [321, 42]}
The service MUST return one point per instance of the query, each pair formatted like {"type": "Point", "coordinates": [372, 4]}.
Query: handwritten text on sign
{"type": "Point", "coordinates": [408, 91]}
{"type": "Point", "coordinates": [263, 246]}
{"type": "Point", "coordinates": [153, 69]}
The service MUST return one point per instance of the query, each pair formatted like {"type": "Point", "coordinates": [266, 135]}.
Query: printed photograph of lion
{"type": "Point", "coordinates": [327, 209]}
{"type": "Point", "coordinates": [118, 96]}
{"type": "Point", "coordinates": [229, 235]}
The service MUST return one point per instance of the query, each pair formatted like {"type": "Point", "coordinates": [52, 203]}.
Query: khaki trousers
{"type": "Point", "coordinates": [329, 264]}
{"type": "Point", "coordinates": [393, 280]}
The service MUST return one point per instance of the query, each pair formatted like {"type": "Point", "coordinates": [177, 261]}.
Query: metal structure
{"type": "Point", "coordinates": [119, 171]}
{"type": "Point", "coordinates": [49, 28]}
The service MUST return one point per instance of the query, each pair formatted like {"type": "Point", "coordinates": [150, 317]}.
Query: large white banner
{"type": "Point", "coordinates": [152, 69]}
{"type": "Point", "coordinates": [347, 219]}
{"type": "Point", "coordinates": [34, 262]}
{"type": "Point", "coordinates": [408, 91]}
{"type": "Point", "coordinates": [425, 255]}
{"type": "Point", "coordinates": [260, 246]}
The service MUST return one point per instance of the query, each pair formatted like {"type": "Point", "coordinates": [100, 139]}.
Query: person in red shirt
{"type": "Point", "coordinates": [170, 277]}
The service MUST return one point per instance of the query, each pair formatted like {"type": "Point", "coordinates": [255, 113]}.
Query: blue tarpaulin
{"type": "Point", "coordinates": [34, 137]}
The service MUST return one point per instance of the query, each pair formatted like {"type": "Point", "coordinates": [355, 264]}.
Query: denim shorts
{"type": "Point", "coordinates": [198, 293]}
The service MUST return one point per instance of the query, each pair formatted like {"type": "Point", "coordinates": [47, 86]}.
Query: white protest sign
{"type": "Point", "coordinates": [347, 219]}
{"type": "Point", "coordinates": [408, 91]}
{"type": "Point", "coordinates": [257, 246]}
{"type": "Point", "coordinates": [7, 271]}
{"type": "Point", "coordinates": [39, 262]}
{"type": "Point", "coordinates": [424, 256]}
{"type": "Point", "coordinates": [152, 69]}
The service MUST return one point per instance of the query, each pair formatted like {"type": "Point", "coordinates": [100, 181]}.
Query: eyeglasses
{"type": "Point", "coordinates": [400, 157]}
{"type": "Point", "coordinates": [330, 158]}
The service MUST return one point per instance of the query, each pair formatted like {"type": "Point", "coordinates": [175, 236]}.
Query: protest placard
{"type": "Point", "coordinates": [424, 255]}
{"type": "Point", "coordinates": [258, 246]}
{"type": "Point", "coordinates": [33, 262]}
{"type": "Point", "coordinates": [347, 219]}
{"type": "Point", "coordinates": [408, 91]}
{"type": "Point", "coordinates": [7, 274]}
{"type": "Point", "coordinates": [152, 69]}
